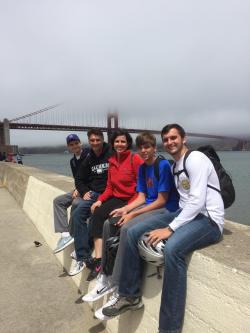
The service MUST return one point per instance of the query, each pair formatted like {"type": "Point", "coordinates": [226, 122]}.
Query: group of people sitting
{"type": "Point", "coordinates": [10, 157]}
{"type": "Point", "coordinates": [122, 197]}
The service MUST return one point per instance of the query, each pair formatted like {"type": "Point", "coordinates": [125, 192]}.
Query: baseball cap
{"type": "Point", "coordinates": [72, 137]}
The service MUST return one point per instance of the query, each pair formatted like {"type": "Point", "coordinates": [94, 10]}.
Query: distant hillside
{"type": "Point", "coordinates": [218, 145]}
{"type": "Point", "coordinates": [43, 149]}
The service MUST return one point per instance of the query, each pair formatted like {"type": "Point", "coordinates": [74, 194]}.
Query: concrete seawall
{"type": "Point", "coordinates": [218, 297]}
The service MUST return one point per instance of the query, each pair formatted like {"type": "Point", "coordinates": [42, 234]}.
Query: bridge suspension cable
{"type": "Point", "coordinates": [35, 113]}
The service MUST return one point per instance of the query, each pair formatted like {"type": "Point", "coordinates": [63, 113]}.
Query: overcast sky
{"type": "Point", "coordinates": [154, 61]}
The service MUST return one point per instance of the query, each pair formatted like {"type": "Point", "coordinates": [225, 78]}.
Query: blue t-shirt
{"type": "Point", "coordinates": [151, 186]}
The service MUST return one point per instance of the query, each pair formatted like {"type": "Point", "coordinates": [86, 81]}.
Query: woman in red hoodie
{"type": "Point", "coordinates": [120, 190]}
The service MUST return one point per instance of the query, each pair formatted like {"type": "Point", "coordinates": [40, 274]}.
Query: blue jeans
{"type": "Point", "coordinates": [60, 205]}
{"type": "Point", "coordinates": [196, 234]}
{"type": "Point", "coordinates": [81, 233]}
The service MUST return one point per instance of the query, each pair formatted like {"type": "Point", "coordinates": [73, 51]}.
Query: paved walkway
{"type": "Point", "coordinates": [35, 295]}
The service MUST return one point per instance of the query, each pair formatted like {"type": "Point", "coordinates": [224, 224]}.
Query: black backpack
{"type": "Point", "coordinates": [226, 185]}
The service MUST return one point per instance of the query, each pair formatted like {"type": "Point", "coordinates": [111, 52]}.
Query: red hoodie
{"type": "Point", "coordinates": [122, 177]}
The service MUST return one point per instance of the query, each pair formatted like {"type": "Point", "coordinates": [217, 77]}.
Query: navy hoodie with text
{"type": "Point", "coordinates": [93, 172]}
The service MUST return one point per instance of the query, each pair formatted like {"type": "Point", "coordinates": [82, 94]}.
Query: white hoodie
{"type": "Point", "coordinates": [195, 196]}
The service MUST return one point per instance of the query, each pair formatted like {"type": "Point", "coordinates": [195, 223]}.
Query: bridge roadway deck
{"type": "Point", "coordinates": [36, 296]}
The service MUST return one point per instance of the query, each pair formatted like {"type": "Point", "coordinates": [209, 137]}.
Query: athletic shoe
{"type": "Point", "coordinates": [95, 269]}
{"type": "Point", "coordinates": [112, 300]}
{"type": "Point", "coordinates": [77, 268]}
{"type": "Point", "coordinates": [101, 288]}
{"type": "Point", "coordinates": [121, 305]}
{"type": "Point", "coordinates": [73, 255]}
{"type": "Point", "coordinates": [63, 242]}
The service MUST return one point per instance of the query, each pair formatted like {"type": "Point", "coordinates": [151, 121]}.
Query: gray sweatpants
{"type": "Point", "coordinates": [107, 228]}
{"type": "Point", "coordinates": [60, 205]}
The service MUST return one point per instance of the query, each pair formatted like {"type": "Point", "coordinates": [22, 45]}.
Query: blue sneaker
{"type": "Point", "coordinates": [63, 242]}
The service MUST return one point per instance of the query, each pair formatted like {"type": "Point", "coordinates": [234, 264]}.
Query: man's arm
{"type": "Point", "coordinates": [158, 203]}
{"type": "Point", "coordinates": [157, 235]}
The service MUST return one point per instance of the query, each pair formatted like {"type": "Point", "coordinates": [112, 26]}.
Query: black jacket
{"type": "Point", "coordinates": [75, 163]}
{"type": "Point", "coordinates": [93, 172]}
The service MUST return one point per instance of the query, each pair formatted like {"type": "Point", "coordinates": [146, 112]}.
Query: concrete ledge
{"type": "Point", "coordinates": [218, 298]}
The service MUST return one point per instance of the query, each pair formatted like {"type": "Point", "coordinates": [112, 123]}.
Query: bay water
{"type": "Point", "coordinates": [237, 163]}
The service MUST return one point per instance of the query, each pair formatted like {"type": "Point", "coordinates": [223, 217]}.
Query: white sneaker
{"type": "Point", "coordinates": [112, 300]}
{"type": "Point", "coordinates": [102, 287]}
{"type": "Point", "coordinates": [73, 255]}
{"type": "Point", "coordinates": [77, 268]}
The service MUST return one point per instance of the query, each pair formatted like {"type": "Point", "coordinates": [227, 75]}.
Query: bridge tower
{"type": "Point", "coordinates": [112, 123]}
{"type": "Point", "coordinates": [5, 137]}
{"type": "Point", "coordinates": [5, 132]}
{"type": "Point", "coordinates": [1, 133]}
{"type": "Point", "coordinates": [241, 145]}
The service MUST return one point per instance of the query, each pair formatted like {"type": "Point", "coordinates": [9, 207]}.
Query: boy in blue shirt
{"type": "Point", "coordinates": [156, 193]}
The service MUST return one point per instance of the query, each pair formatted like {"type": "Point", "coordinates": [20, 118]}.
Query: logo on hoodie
{"type": "Point", "coordinates": [100, 168]}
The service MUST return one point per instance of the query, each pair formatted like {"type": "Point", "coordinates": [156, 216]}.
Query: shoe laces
{"type": "Point", "coordinates": [114, 296]}
{"type": "Point", "coordinates": [112, 300]}
{"type": "Point", "coordinates": [117, 301]}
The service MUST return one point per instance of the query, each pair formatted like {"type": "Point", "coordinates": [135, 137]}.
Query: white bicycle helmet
{"type": "Point", "coordinates": [151, 254]}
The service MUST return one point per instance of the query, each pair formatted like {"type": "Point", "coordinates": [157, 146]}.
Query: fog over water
{"type": "Point", "coordinates": [154, 62]}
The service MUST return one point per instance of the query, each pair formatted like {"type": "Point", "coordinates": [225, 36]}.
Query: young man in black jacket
{"type": "Point", "coordinates": [62, 202]}
{"type": "Point", "coordinates": [90, 183]}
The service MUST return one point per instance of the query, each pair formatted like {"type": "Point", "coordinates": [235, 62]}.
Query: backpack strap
{"type": "Point", "coordinates": [157, 166]}
{"type": "Point", "coordinates": [184, 165]}
{"type": "Point", "coordinates": [214, 188]}
{"type": "Point", "coordinates": [132, 162]}
{"type": "Point", "coordinates": [143, 168]}
{"type": "Point", "coordinates": [184, 162]}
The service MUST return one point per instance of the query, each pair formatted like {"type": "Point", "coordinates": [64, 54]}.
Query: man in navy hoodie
{"type": "Point", "coordinates": [90, 183]}
{"type": "Point", "coordinates": [62, 202]}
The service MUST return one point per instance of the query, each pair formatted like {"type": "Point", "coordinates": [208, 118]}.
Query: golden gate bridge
{"type": "Point", "coordinates": [39, 120]}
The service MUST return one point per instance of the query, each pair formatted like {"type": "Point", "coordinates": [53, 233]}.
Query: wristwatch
{"type": "Point", "coordinates": [170, 229]}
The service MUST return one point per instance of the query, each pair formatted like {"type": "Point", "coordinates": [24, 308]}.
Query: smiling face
{"type": "Point", "coordinates": [96, 143]}
{"type": "Point", "coordinates": [173, 143]}
{"type": "Point", "coordinates": [75, 147]}
{"type": "Point", "coordinates": [147, 153]}
{"type": "Point", "coordinates": [120, 144]}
